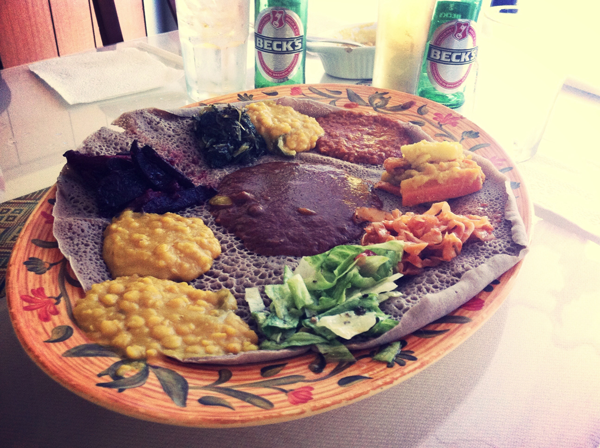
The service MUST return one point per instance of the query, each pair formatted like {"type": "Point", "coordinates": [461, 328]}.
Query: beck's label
{"type": "Point", "coordinates": [266, 44]}
{"type": "Point", "coordinates": [279, 43]}
{"type": "Point", "coordinates": [451, 51]}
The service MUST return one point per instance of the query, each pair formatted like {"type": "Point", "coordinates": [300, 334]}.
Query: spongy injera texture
{"type": "Point", "coordinates": [79, 231]}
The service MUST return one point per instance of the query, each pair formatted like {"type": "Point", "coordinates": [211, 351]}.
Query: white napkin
{"type": "Point", "coordinates": [97, 76]}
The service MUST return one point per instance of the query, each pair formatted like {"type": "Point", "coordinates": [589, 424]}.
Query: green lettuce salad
{"type": "Point", "coordinates": [330, 298]}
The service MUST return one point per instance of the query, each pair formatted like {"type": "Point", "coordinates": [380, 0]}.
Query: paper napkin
{"type": "Point", "coordinates": [97, 76]}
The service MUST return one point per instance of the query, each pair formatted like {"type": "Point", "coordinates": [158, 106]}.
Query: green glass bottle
{"type": "Point", "coordinates": [280, 42]}
{"type": "Point", "coordinates": [450, 52]}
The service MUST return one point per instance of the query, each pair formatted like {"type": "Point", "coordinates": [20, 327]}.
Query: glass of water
{"type": "Point", "coordinates": [214, 42]}
{"type": "Point", "coordinates": [518, 83]}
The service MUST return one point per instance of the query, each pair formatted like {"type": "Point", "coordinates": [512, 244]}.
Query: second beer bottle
{"type": "Point", "coordinates": [450, 53]}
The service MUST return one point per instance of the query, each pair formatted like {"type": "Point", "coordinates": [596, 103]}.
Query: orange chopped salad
{"type": "Point", "coordinates": [430, 238]}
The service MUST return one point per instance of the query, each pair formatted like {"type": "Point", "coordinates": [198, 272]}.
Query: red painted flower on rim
{"type": "Point", "coordinates": [475, 304]}
{"type": "Point", "coordinates": [497, 161]}
{"type": "Point", "coordinates": [301, 395]}
{"type": "Point", "coordinates": [48, 218]}
{"type": "Point", "coordinates": [296, 91]}
{"type": "Point", "coordinates": [39, 301]}
{"type": "Point", "coordinates": [450, 119]}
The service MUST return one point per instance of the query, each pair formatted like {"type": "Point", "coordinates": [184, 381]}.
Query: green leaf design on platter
{"type": "Point", "coordinates": [355, 98]}
{"type": "Point", "coordinates": [272, 93]}
{"type": "Point", "coordinates": [515, 185]}
{"type": "Point", "coordinates": [423, 110]}
{"type": "Point", "coordinates": [284, 380]}
{"type": "Point", "coordinates": [429, 333]}
{"type": "Point", "coordinates": [400, 107]}
{"type": "Point", "coordinates": [452, 320]}
{"type": "Point", "coordinates": [137, 380]}
{"type": "Point", "coordinates": [37, 265]}
{"type": "Point", "coordinates": [352, 380]}
{"type": "Point", "coordinates": [209, 400]}
{"type": "Point", "coordinates": [90, 351]}
{"type": "Point", "coordinates": [273, 370]}
{"type": "Point", "coordinates": [318, 92]}
{"type": "Point", "coordinates": [224, 376]}
{"type": "Point", "coordinates": [378, 100]}
{"type": "Point", "coordinates": [469, 134]}
{"type": "Point", "coordinates": [406, 355]}
{"type": "Point", "coordinates": [113, 372]}
{"type": "Point", "coordinates": [506, 169]}
{"type": "Point", "coordinates": [335, 92]}
{"type": "Point", "coordinates": [72, 281]}
{"type": "Point", "coordinates": [63, 289]}
{"type": "Point", "coordinates": [44, 244]}
{"type": "Point", "coordinates": [245, 97]}
{"type": "Point", "coordinates": [333, 103]}
{"type": "Point", "coordinates": [476, 147]}
{"type": "Point", "coordinates": [113, 369]}
{"type": "Point", "coordinates": [174, 385]}
{"type": "Point", "coordinates": [60, 334]}
{"type": "Point", "coordinates": [252, 399]}
{"type": "Point", "coordinates": [318, 364]}
{"type": "Point", "coordinates": [340, 368]}
{"type": "Point", "coordinates": [417, 122]}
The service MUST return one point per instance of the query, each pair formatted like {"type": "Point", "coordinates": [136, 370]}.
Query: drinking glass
{"type": "Point", "coordinates": [516, 88]}
{"type": "Point", "coordinates": [214, 42]}
{"type": "Point", "coordinates": [402, 29]}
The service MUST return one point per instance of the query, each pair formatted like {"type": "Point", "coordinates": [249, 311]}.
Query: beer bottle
{"type": "Point", "coordinates": [450, 52]}
{"type": "Point", "coordinates": [280, 42]}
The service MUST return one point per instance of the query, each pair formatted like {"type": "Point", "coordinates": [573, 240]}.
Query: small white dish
{"type": "Point", "coordinates": [345, 61]}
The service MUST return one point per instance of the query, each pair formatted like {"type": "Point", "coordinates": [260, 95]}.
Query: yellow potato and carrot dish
{"type": "Point", "coordinates": [431, 172]}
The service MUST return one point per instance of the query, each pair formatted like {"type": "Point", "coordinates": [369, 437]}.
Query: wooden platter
{"type": "Point", "coordinates": [42, 290]}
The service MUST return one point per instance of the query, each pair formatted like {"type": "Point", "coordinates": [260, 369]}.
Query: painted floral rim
{"type": "Point", "coordinates": [42, 289]}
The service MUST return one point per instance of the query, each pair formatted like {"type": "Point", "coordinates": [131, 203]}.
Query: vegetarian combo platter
{"type": "Point", "coordinates": [270, 255]}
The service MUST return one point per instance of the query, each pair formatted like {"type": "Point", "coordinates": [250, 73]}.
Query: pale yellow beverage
{"type": "Point", "coordinates": [402, 30]}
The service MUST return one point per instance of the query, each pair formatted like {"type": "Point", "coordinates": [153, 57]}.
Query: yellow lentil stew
{"type": "Point", "coordinates": [284, 128]}
{"type": "Point", "coordinates": [165, 246]}
{"type": "Point", "coordinates": [145, 316]}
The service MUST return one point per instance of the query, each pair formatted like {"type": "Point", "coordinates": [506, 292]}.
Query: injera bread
{"type": "Point", "coordinates": [426, 297]}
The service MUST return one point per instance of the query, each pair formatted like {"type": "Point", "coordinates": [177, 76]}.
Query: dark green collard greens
{"type": "Point", "coordinates": [227, 136]}
{"type": "Point", "coordinates": [329, 299]}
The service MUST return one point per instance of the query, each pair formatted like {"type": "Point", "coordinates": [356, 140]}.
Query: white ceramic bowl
{"type": "Point", "coordinates": [343, 61]}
